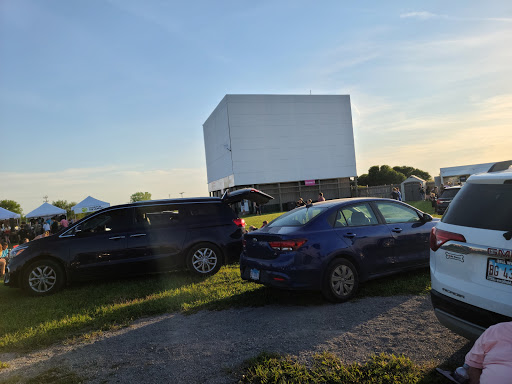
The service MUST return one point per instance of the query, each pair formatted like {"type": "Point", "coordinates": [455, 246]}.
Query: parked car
{"type": "Point", "coordinates": [471, 256]}
{"type": "Point", "coordinates": [333, 246]}
{"type": "Point", "coordinates": [445, 199]}
{"type": "Point", "coordinates": [145, 237]}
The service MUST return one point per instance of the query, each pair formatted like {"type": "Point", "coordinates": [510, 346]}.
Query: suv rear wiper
{"type": "Point", "coordinates": [508, 235]}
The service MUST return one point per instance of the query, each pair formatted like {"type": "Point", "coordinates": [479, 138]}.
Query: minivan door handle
{"type": "Point", "coordinates": [397, 230]}
{"type": "Point", "coordinates": [350, 235]}
{"type": "Point", "coordinates": [138, 235]}
{"type": "Point", "coordinates": [116, 238]}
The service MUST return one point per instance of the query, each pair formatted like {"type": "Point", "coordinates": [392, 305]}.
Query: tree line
{"type": "Point", "coordinates": [385, 175]}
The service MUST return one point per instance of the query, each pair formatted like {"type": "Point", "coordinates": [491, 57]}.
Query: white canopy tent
{"type": "Point", "coordinates": [6, 214]}
{"type": "Point", "coordinates": [46, 210]}
{"type": "Point", "coordinates": [89, 204]}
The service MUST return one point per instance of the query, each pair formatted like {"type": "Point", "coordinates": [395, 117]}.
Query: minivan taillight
{"type": "Point", "coordinates": [287, 245]}
{"type": "Point", "coordinates": [239, 222]}
{"type": "Point", "coordinates": [438, 237]}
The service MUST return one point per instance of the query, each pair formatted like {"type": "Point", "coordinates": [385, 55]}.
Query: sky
{"type": "Point", "coordinates": [108, 97]}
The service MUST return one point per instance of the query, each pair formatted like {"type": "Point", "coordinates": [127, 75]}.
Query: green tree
{"type": "Point", "coordinates": [409, 171]}
{"type": "Point", "coordinates": [63, 204]}
{"type": "Point", "coordinates": [12, 206]}
{"type": "Point", "coordinates": [381, 175]}
{"type": "Point", "coordinates": [140, 196]}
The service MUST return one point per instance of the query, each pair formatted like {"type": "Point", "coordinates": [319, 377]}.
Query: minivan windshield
{"type": "Point", "coordinates": [485, 206]}
{"type": "Point", "coordinates": [297, 217]}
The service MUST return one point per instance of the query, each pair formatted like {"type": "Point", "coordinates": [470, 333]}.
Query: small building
{"type": "Point", "coordinates": [459, 174]}
{"type": "Point", "coordinates": [410, 188]}
{"type": "Point", "coordinates": [288, 146]}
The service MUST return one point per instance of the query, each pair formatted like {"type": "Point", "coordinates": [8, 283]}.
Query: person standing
{"type": "Point", "coordinates": [54, 228]}
{"type": "Point", "coordinates": [63, 222]}
{"type": "Point", "coordinates": [394, 193]}
{"type": "Point", "coordinates": [321, 197]}
{"type": "Point", "coordinates": [46, 227]}
{"type": "Point", "coordinates": [422, 193]}
{"type": "Point", "coordinates": [3, 257]}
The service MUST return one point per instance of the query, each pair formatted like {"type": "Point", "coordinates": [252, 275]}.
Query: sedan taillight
{"type": "Point", "coordinates": [287, 245]}
{"type": "Point", "coordinates": [438, 237]}
{"type": "Point", "coordinates": [239, 222]}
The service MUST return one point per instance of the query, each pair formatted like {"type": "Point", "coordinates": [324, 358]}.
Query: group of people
{"type": "Point", "coordinates": [12, 235]}
{"type": "Point", "coordinates": [30, 230]}
{"type": "Point", "coordinates": [301, 202]}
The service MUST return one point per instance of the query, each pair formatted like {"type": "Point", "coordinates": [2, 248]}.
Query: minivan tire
{"type": "Point", "coordinates": [341, 281]}
{"type": "Point", "coordinates": [43, 277]}
{"type": "Point", "coordinates": [204, 259]}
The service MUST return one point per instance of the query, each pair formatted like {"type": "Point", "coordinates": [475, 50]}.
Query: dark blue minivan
{"type": "Point", "coordinates": [332, 246]}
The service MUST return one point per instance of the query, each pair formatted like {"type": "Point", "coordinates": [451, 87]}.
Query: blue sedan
{"type": "Point", "coordinates": [333, 246]}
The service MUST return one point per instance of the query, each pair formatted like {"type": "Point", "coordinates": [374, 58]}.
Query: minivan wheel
{"type": "Point", "coordinates": [204, 259]}
{"type": "Point", "coordinates": [43, 277]}
{"type": "Point", "coordinates": [341, 281]}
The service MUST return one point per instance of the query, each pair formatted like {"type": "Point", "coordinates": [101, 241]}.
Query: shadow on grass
{"type": "Point", "coordinates": [31, 323]}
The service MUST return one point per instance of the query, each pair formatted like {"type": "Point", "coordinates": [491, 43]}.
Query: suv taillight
{"type": "Point", "coordinates": [287, 245]}
{"type": "Point", "coordinates": [239, 222]}
{"type": "Point", "coordinates": [438, 237]}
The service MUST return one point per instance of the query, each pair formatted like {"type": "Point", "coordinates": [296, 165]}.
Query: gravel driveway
{"type": "Point", "coordinates": [205, 347]}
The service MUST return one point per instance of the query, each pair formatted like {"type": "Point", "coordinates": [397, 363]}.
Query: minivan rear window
{"type": "Point", "coordinates": [485, 206]}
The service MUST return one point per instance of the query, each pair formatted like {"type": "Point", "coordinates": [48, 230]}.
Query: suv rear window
{"type": "Point", "coordinates": [449, 193]}
{"type": "Point", "coordinates": [485, 206]}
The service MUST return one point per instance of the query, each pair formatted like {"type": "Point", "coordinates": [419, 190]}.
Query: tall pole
{"type": "Point", "coordinates": [181, 193]}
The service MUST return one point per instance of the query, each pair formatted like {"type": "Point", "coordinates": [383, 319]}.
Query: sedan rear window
{"type": "Point", "coordinates": [485, 206]}
{"type": "Point", "coordinates": [297, 217]}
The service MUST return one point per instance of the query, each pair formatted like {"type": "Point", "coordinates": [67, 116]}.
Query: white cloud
{"type": "Point", "coordinates": [423, 15]}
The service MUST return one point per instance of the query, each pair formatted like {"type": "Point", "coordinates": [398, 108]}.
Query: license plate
{"type": "Point", "coordinates": [254, 274]}
{"type": "Point", "coordinates": [499, 271]}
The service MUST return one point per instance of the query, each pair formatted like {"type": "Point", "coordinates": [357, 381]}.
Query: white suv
{"type": "Point", "coordinates": [471, 255]}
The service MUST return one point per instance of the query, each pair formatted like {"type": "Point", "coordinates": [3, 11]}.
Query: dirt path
{"type": "Point", "coordinates": [207, 346]}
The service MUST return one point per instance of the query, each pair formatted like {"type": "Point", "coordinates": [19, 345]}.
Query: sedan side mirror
{"type": "Point", "coordinates": [426, 218]}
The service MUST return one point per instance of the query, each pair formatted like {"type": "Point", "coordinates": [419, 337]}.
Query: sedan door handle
{"type": "Point", "coordinates": [397, 230]}
{"type": "Point", "coordinates": [116, 238]}
{"type": "Point", "coordinates": [350, 235]}
{"type": "Point", "coordinates": [138, 235]}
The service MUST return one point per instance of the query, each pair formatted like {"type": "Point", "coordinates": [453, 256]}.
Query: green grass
{"type": "Point", "coordinates": [50, 376]}
{"type": "Point", "coordinates": [425, 206]}
{"type": "Point", "coordinates": [327, 368]}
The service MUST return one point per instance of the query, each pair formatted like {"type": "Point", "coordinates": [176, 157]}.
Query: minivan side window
{"type": "Point", "coordinates": [157, 216]}
{"type": "Point", "coordinates": [116, 220]}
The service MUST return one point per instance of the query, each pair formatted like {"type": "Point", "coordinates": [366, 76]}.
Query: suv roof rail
{"type": "Point", "coordinates": [500, 166]}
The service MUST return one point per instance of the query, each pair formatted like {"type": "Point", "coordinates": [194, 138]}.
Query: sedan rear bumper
{"type": "Point", "coordinates": [285, 276]}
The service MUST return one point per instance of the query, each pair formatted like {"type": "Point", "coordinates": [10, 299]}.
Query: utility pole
{"type": "Point", "coordinates": [181, 193]}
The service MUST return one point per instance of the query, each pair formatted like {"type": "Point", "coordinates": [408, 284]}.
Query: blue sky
{"type": "Point", "coordinates": [106, 98]}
